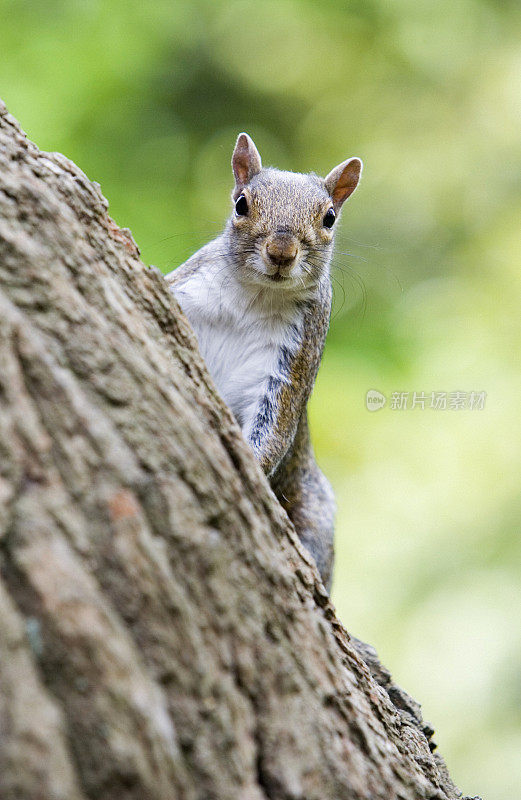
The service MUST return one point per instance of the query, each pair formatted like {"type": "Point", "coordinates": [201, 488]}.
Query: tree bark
{"type": "Point", "coordinates": [163, 634]}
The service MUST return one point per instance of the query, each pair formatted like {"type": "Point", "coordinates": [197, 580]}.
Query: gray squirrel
{"type": "Point", "coordinates": [259, 300]}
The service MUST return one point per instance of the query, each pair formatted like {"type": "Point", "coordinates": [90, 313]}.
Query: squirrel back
{"type": "Point", "coordinates": [259, 300]}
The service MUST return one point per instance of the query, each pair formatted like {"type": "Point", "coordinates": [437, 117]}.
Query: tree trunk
{"type": "Point", "coordinates": [163, 634]}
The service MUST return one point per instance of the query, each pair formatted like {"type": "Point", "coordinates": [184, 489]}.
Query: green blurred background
{"type": "Point", "coordinates": [148, 99]}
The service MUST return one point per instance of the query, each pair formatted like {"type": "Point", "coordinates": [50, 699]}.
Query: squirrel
{"type": "Point", "coordinates": [259, 300]}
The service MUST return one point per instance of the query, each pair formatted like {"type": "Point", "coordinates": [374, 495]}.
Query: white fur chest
{"type": "Point", "coordinates": [241, 341]}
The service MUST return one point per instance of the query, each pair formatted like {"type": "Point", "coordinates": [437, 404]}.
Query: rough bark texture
{"type": "Point", "coordinates": [162, 632]}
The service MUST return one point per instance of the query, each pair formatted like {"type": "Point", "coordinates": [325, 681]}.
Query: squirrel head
{"type": "Point", "coordinates": [283, 223]}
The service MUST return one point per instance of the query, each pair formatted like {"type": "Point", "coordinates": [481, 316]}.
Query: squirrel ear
{"type": "Point", "coordinates": [343, 180]}
{"type": "Point", "coordinates": [246, 161]}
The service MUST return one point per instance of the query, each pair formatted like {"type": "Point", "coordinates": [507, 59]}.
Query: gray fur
{"type": "Point", "coordinates": [259, 299]}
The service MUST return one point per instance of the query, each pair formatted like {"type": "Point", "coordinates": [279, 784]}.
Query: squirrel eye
{"type": "Point", "coordinates": [329, 219]}
{"type": "Point", "coordinates": [241, 206]}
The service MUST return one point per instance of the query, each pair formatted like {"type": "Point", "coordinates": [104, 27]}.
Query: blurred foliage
{"type": "Point", "coordinates": [148, 99]}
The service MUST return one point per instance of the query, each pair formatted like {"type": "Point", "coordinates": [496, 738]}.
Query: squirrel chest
{"type": "Point", "coordinates": [246, 347]}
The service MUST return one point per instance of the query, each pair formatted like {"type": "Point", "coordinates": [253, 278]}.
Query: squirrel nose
{"type": "Point", "coordinates": [282, 249]}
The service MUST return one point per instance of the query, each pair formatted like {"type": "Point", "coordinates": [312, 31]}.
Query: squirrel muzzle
{"type": "Point", "coordinates": [281, 252]}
